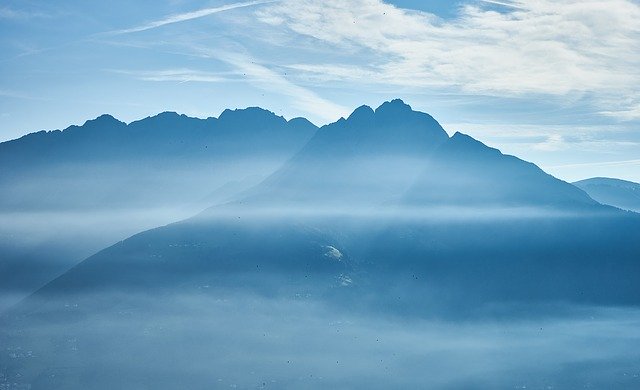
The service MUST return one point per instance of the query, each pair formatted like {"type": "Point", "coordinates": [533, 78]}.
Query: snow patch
{"type": "Point", "coordinates": [333, 253]}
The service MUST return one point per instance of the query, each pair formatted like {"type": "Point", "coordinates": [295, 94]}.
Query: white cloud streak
{"type": "Point", "coordinates": [544, 47]}
{"type": "Point", "coordinates": [599, 164]}
{"type": "Point", "coordinates": [16, 14]}
{"type": "Point", "coordinates": [501, 3]}
{"type": "Point", "coordinates": [182, 75]}
{"type": "Point", "coordinates": [271, 81]}
{"type": "Point", "coordinates": [190, 16]}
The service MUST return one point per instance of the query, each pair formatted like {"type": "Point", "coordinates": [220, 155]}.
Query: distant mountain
{"type": "Point", "coordinates": [615, 192]}
{"type": "Point", "coordinates": [347, 226]}
{"type": "Point", "coordinates": [66, 194]}
{"type": "Point", "coordinates": [320, 189]}
{"type": "Point", "coordinates": [157, 161]}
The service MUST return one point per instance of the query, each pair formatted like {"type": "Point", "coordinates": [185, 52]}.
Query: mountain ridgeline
{"type": "Point", "coordinates": [67, 194]}
{"type": "Point", "coordinates": [379, 217]}
{"type": "Point", "coordinates": [160, 160]}
{"type": "Point", "coordinates": [390, 182]}
{"type": "Point", "coordinates": [395, 155]}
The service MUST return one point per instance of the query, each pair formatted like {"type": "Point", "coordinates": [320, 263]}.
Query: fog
{"type": "Point", "coordinates": [218, 338]}
{"type": "Point", "coordinates": [52, 220]}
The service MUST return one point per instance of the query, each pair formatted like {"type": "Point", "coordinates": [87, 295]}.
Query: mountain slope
{"type": "Point", "coordinates": [615, 192]}
{"type": "Point", "coordinates": [465, 172]}
{"type": "Point", "coordinates": [369, 158]}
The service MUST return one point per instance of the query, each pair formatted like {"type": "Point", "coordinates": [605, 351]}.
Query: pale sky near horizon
{"type": "Point", "coordinates": [554, 82]}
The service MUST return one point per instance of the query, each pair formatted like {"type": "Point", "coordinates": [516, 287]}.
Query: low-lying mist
{"type": "Point", "coordinates": [52, 220]}
{"type": "Point", "coordinates": [218, 338]}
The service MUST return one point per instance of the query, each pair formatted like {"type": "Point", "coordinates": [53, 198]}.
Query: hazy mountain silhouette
{"type": "Point", "coordinates": [66, 194]}
{"type": "Point", "coordinates": [461, 173]}
{"type": "Point", "coordinates": [380, 215]}
{"type": "Point", "coordinates": [159, 160]}
{"type": "Point", "coordinates": [615, 192]}
{"type": "Point", "coordinates": [368, 158]}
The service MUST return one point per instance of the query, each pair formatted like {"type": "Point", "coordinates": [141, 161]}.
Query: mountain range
{"type": "Point", "coordinates": [68, 193]}
{"type": "Point", "coordinates": [365, 168]}
{"type": "Point", "coordinates": [379, 214]}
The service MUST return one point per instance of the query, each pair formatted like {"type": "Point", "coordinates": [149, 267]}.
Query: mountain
{"type": "Point", "coordinates": [156, 161]}
{"type": "Point", "coordinates": [66, 194]}
{"type": "Point", "coordinates": [379, 217]}
{"type": "Point", "coordinates": [615, 192]}
{"type": "Point", "coordinates": [330, 191]}
{"type": "Point", "coordinates": [371, 157]}
{"type": "Point", "coordinates": [466, 172]}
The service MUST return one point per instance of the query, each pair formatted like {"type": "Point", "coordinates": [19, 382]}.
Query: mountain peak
{"type": "Point", "coordinates": [168, 114]}
{"type": "Point", "coordinates": [104, 119]}
{"type": "Point", "coordinates": [464, 138]}
{"type": "Point", "coordinates": [363, 112]}
{"type": "Point", "coordinates": [302, 122]}
{"type": "Point", "coordinates": [395, 106]}
{"type": "Point", "coordinates": [253, 112]}
{"type": "Point", "coordinates": [466, 143]}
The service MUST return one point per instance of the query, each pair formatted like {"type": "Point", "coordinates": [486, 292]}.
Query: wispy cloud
{"type": "Point", "coordinates": [189, 16]}
{"type": "Point", "coordinates": [501, 3]}
{"type": "Point", "coordinates": [271, 81]}
{"type": "Point", "coordinates": [599, 164]}
{"type": "Point", "coordinates": [20, 14]}
{"type": "Point", "coordinates": [182, 75]}
{"type": "Point", "coordinates": [542, 47]}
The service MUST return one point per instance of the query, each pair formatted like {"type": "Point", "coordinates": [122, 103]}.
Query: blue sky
{"type": "Point", "coordinates": [552, 81]}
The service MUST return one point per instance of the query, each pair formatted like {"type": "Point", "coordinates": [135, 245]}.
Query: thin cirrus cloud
{"type": "Point", "coordinates": [182, 75]}
{"type": "Point", "coordinates": [501, 3]}
{"type": "Point", "coordinates": [543, 47]}
{"type": "Point", "coordinates": [271, 81]}
{"type": "Point", "coordinates": [182, 17]}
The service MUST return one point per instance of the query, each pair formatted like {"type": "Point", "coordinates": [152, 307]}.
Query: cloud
{"type": "Point", "coordinates": [558, 48]}
{"type": "Point", "coordinates": [553, 143]}
{"type": "Point", "coordinates": [629, 113]}
{"type": "Point", "coordinates": [271, 81]}
{"type": "Point", "coordinates": [600, 164]}
{"type": "Point", "coordinates": [182, 75]}
{"type": "Point", "coordinates": [189, 16]}
{"type": "Point", "coordinates": [19, 14]}
{"type": "Point", "coordinates": [501, 3]}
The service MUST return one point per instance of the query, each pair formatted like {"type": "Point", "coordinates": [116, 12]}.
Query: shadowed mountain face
{"type": "Point", "coordinates": [380, 220]}
{"type": "Point", "coordinates": [619, 193]}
